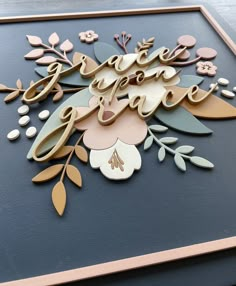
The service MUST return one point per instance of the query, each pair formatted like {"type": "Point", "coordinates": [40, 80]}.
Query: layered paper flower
{"type": "Point", "coordinates": [88, 36]}
{"type": "Point", "coordinates": [206, 68]}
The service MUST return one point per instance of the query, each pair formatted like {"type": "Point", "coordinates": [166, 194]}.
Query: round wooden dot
{"type": "Point", "coordinates": [24, 109]}
{"type": "Point", "coordinates": [13, 135]}
{"type": "Point", "coordinates": [212, 84]}
{"type": "Point", "coordinates": [24, 120]}
{"type": "Point", "coordinates": [43, 115]}
{"type": "Point", "coordinates": [206, 53]}
{"type": "Point", "coordinates": [31, 132]}
{"type": "Point", "coordinates": [234, 89]}
{"type": "Point", "coordinates": [186, 40]}
{"type": "Point", "coordinates": [227, 93]}
{"type": "Point", "coordinates": [184, 56]}
{"type": "Point", "coordinates": [223, 81]}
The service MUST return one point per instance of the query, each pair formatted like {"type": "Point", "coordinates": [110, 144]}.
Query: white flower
{"type": "Point", "coordinates": [153, 90]}
{"type": "Point", "coordinates": [117, 162]}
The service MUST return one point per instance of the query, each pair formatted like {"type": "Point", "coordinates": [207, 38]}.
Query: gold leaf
{"type": "Point", "coordinates": [48, 173]}
{"type": "Point", "coordinates": [3, 87]}
{"type": "Point", "coordinates": [74, 175]}
{"type": "Point", "coordinates": [81, 153]}
{"type": "Point", "coordinates": [59, 197]}
{"type": "Point", "coordinates": [19, 84]}
{"type": "Point", "coordinates": [11, 96]}
{"type": "Point", "coordinates": [63, 152]}
{"type": "Point", "coordinates": [58, 96]}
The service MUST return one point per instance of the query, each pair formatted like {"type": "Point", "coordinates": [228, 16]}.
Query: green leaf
{"type": "Point", "coordinates": [201, 162]}
{"type": "Point", "coordinates": [189, 80]}
{"type": "Point", "coordinates": [158, 128]}
{"type": "Point", "coordinates": [73, 79]}
{"type": "Point", "coordinates": [179, 162]}
{"type": "Point", "coordinates": [185, 149]}
{"type": "Point", "coordinates": [161, 154]}
{"type": "Point", "coordinates": [169, 140]}
{"type": "Point", "coordinates": [104, 51]}
{"type": "Point", "coordinates": [148, 143]}
{"type": "Point", "coordinates": [182, 120]}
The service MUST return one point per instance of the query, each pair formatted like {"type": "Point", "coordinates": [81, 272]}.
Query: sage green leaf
{"type": "Point", "coordinates": [201, 162]}
{"type": "Point", "coordinates": [179, 162]}
{"type": "Point", "coordinates": [181, 119]}
{"type": "Point", "coordinates": [158, 128]}
{"type": "Point", "coordinates": [104, 51]}
{"type": "Point", "coordinates": [185, 149]}
{"type": "Point", "coordinates": [189, 80]}
{"type": "Point", "coordinates": [73, 79]}
{"type": "Point", "coordinates": [169, 140]}
{"type": "Point", "coordinates": [161, 154]}
{"type": "Point", "coordinates": [148, 143]}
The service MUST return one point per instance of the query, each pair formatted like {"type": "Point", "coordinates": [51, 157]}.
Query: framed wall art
{"type": "Point", "coordinates": [117, 142]}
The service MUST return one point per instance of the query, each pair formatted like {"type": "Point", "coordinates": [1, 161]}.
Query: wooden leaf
{"type": "Point", "coordinates": [46, 60]}
{"type": "Point", "coordinates": [103, 51]}
{"type": "Point", "coordinates": [161, 154]}
{"type": "Point", "coordinates": [59, 197]}
{"type": "Point", "coordinates": [185, 149]}
{"type": "Point", "coordinates": [182, 120]}
{"type": "Point", "coordinates": [34, 54]}
{"type": "Point", "coordinates": [212, 107]}
{"type": "Point", "coordinates": [81, 153]}
{"type": "Point", "coordinates": [158, 128]}
{"type": "Point", "coordinates": [151, 40]}
{"type": "Point", "coordinates": [169, 140]}
{"type": "Point", "coordinates": [34, 40]}
{"type": "Point", "coordinates": [19, 84]}
{"type": "Point", "coordinates": [48, 173]}
{"type": "Point", "coordinates": [11, 96]}
{"type": "Point", "coordinates": [66, 46]}
{"type": "Point", "coordinates": [58, 96]}
{"type": "Point", "coordinates": [31, 82]}
{"type": "Point", "coordinates": [3, 87]}
{"type": "Point", "coordinates": [201, 162]}
{"type": "Point", "coordinates": [179, 162]}
{"type": "Point", "coordinates": [54, 39]}
{"type": "Point", "coordinates": [74, 175]}
{"type": "Point", "coordinates": [148, 143]}
{"type": "Point", "coordinates": [90, 63]}
{"type": "Point", "coordinates": [63, 152]}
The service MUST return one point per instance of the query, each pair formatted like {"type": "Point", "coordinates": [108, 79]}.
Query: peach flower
{"type": "Point", "coordinates": [206, 68]}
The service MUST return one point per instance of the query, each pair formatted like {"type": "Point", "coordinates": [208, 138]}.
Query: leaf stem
{"type": "Point", "coordinates": [63, 58]}
{"type": "Point", "coordinates": [170, 150]}
{"type": "Point", "coordinates": [69, 158]}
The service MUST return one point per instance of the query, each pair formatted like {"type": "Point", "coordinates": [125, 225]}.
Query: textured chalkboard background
{"type": "Point", "coordinates": [158, 208]}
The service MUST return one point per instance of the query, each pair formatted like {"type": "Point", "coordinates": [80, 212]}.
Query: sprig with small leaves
{"type": "Point", "coordinates": [125, 38]}
{"type": "Point", "coordinates": [144, 45]}
{"type": "Point", "coordinates": [38, 54]}
{"type": "Point", "coordinates": [180, 153]}
{"type": "Point", "coordinates": [72, 172]}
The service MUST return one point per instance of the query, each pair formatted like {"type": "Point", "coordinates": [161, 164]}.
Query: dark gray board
{"type": "Point", "coordinates": [158, 208]}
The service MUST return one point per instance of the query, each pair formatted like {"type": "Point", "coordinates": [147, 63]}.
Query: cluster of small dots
{"type": "Point", "coordinates": [224, 92]}
{"type": "Point", "coordinates": [24, 120]}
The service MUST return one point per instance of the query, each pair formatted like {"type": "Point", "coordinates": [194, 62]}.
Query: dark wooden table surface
{"type": "Point", "coordinates": [197, 267]}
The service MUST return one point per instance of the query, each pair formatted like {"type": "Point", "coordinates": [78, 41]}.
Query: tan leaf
{"type": "Point", "coordinates": [34, 54]}
{"type": "Point", "coordinates": [46, 60]}
{"type": "Point", "coordinates": [59, 197]}
{"type": "Point", "coordinates": [58, 96]}
{"type": "Point", "coordinates": [66, 46]}
{"type": "Point", "coordinates": [3, 87]}
{"type": "Point", "coordinates": [19, 84]}
{"type": "Point", "coordinates": [54, 39]}
{"type": "Point", "coordinates": [74, 175]}
{"type": "Point", "coordinates": [64, 151]}
{"type": "Point", "coordinates": [90, 63]}
{"type": "Point", "coordinates": [151, 40]}
{"type": "Point", "coordinates": [34, 40]}
{"type": "Point", "coordinates": [11, 96]}
{"type": "Point", "coordinates": [31, 82]}
{"type": "Point", "coordinates": [48, 173]}
{"type": "Point", "coordinates": [212, 107]}
{"type": "Point", "coordinates": [81, 153]}
{"type": "Point", "coordinates": [58, 86]}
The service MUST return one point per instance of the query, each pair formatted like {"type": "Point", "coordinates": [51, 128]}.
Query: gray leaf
{"type": "Point", "coordinates": [201, 162]}
{"type": "Point", "coordinates": [185, 149]}
{"type": "Point", "coordinates": [169, 140]}
{"type": "Point", "coordinates": [161, 154]}
{"type": "Point", "coordinates": [158, 128]}
{"type": "Point", "coordinates": [179, 162]}
{"type": "Point", "coordinates": [148, 143]}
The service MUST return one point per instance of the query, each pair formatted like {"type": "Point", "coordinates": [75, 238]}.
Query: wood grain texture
{"type": "Point", "coordinates": [225, 8]}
